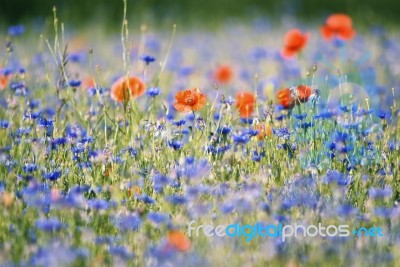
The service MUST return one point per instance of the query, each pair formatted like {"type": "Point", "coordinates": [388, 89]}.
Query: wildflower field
{"type": "Point", "coordinates": [114, 148]}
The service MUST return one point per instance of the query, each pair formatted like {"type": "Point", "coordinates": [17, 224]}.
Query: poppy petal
{"type": "Point", "coordinates": [326, 32]}
{"type": "Point", "coordinates": [288, 53]}
{"type": "Point", "coordinates": [201, 101]}
{"type": "Point", "coordinates": [347, 34]}
{"type": "Point", "coordinates": [182, 107]}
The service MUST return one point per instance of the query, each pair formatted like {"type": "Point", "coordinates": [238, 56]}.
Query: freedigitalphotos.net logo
{"type": "Point", "coordinates": [280, 231]}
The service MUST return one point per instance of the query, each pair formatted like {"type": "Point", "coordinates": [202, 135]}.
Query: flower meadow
{"type": "Point", "coordinates": [111, 144]}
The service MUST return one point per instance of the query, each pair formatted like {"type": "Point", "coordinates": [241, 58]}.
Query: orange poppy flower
{"type": "Point", "coordinates": [338, 25]}
{"type": "Point", "coordinates": [294, 42]}
{"type": "Point", "coordinates": [178, 240]}
{"type": "Point", "coordinates": [189, 100]}
{"type": "Point", "coordinates": [285, 98]}
{"type": "Point", "coordinates": [245, 102]}
{"type": "Point", "coordinates": [223, 74]}
{"type": "Point", "coordinates": [263, 131]}
{"type": "Point", "coordinates": [303, 92]}
{"type": "Point", "coordinates": [127, 88]}
{"type": "Point", "coordinates": [3, 81]}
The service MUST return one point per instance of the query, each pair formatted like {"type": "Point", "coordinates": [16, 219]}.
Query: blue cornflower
{"type": "Point", "coordinates": [31, 115]}
{"type": "Point", "coordinates": [128, 222]}
{"type": "Point", "coordinates": [341, 136]}
{"type": "Point", "coordinates": [30, 167]}
{"type": "Point", "coordinates": [382, 115]}
{"type": "Point", "coordinates": [176, 199]}
{"type": "Point", "coordinates": [148, 59]}
{"type": "Point", "coordinates": [332, 146]}
{"type": "Point", "coordinates": [247, 120]}
{"type": "Point", "coordinates": [393, 146]}
{"type": "Point", "coordinates": [87, 139]}
{"type": "Point", "coordinates": [48, 112]}
{"type": "Point", "coordinates": [323, 115]}
{"type": "Point", "coordinates": [34, 103]}
{"type": "Point", "coordinates": [281, 117]}
{"type": "Point", "coordinates": [157, 217]}
{"type": "Point", "coordinates": [300, 116]}
{"type": "Point", "coordinates": [4, 124]}
{"type": "Point", "coordinates": [78, 148]}
{"type": "Point", "coordinates": [22, 131]}
{"type": "Point", "coordinates": [42, 122]}
{"type": "Point", "coordinates": [159, 182]}
{"type": "Point", "coordinates": [75, 83]}
{"type": "Point", "coordinates": [16, 30]}
{"type": "Point", "coordinates": [49, 225]}
{"type": "Point", "coordinates": [146, 199]}
{"type": "Point", "coordinates": [175, 144]}
{"type": "Point", "coordinates": [281, 132]}
{"type": "Point", "coordinates": [132, 152]}
{"type": "Point", "coordinates": [257, 156]}
{"type": "Point", "coordinates": [250, 132]}
{"type": "Point", "coordinates": [85, 165]}
{"type": "Point", "coordinates": [55, 143]}
{"type": "Point", "coordinates": [76, 57]}
{"type": "Point", "coordinates": [73, 131]}
{"type": "Point", "coordinates": [98, 90]}
{"type": "Point", "coordinates": [153, 92]}
{"type": "Point", "coordinates": [17, 85]}
{"type": "Point", "coordinates": [225, 130]}
{"type": "Point", "coordinates": [218, 149]}
{"type": "Point", "coordinates": [52, 176]}
{"type": "Point", "coordinates": [241, 139]}
{"type": "Point", "coordinates": [179, 123]}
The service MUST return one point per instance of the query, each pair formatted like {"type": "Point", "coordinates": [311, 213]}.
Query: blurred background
{"type": "Point", "coordinates": [108, 13]}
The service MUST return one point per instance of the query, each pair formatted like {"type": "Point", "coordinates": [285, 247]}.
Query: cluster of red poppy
{"type": "Point", "coordinates": [289, 98]}
{"type": "Point", "coordinates": [189, 100]}
{"type": "Point", "coordinates": [336, 26]}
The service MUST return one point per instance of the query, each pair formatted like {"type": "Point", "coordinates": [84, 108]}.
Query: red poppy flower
{"type": "Point", "coordinates": [178, 240]}
{"type": "Point", "coordinates": [189, 100]}
{"type": "Point", "coordinates": [285, 98]}
{"type": "Point", "coordinates": [245, 102]}
{"type": "Point", "coordinates": [223, 74]}
{"type": "Point", "coordinates": [303, 92]}
{"type": "Point", "coordinates": [338, 25]}
{"type": "Point", "coordinates": [4, 81]}
{"type": "Point", "coordinates": [294, 42]}
{"type": "Point", "coordinates": [127, 88]}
